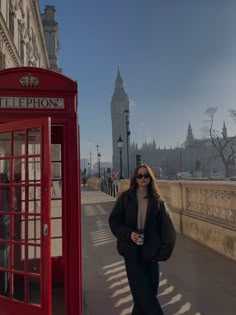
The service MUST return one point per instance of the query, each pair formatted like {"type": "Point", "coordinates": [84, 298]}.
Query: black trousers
{"type": "Point", "coordinates": [143, 280]}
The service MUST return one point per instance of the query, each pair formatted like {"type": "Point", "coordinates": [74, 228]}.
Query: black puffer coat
{"type": "Point", "coordinates": [159, 231]}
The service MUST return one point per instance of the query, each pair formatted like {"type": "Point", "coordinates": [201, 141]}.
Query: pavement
{"type": "Point", "coordinates": [194, 281]}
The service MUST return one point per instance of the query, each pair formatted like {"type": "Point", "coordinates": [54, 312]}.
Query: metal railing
{"type": "Point", "coordinates": [109, 188]}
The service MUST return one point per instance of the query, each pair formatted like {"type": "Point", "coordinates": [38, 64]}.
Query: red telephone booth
{"type": "Point", "coordinates": [40, 226]}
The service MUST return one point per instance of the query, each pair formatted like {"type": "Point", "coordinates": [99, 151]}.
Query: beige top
{"type": "Point", "coordinates": [142, 209]}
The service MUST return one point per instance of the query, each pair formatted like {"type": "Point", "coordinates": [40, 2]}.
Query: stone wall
{"type": "Point", "coordinates": [204, 211]}
{"type": "Point", "coordinates": [94, 183]}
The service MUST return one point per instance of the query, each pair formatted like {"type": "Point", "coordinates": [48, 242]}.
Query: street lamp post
{"type": "Point", "coordinates": [90, 164]}
{"type": "Point", "coordinates": [126, 112]}
{"type": "Point", "coordinates": [120, 143]}
{"type": "Point", "coordinates": [180, 160]}
{"type": "Point", "coordinates": [97, 152]}
{"type": "Point", "coordinates": [88, 169]}
{"type": "Point", "coordinates": [99, 159]}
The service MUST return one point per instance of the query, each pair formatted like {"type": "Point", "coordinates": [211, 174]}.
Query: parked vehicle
{"type": "Point", "coordinates": [217, 176]}
{"type": "Point", "coordinates": [184, 175]}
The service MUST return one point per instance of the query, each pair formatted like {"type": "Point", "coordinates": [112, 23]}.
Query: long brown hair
{"type": "Point", "coordinates": [152, 189]}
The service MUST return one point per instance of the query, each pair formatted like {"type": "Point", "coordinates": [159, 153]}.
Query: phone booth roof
{"type": "Point", "coordinates": [30, 89]}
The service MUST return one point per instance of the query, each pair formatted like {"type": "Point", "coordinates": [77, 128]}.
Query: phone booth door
{"type": "Point", "coordinates": [25, 187]}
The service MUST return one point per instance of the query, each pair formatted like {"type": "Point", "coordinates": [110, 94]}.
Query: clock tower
{"type": "Point", "coordinates": [120, 127]}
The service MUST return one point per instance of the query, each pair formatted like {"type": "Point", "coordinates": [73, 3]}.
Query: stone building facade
{"type": "Point", "coordinates": [50, 27]}
{"type": "Point", "coordinates": [27, 38]}
{"type": "Point", "coordinates": [196, 156]}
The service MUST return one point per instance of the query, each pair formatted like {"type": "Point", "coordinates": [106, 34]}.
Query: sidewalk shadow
{"type": "Point", "coordinates": [172, 301]}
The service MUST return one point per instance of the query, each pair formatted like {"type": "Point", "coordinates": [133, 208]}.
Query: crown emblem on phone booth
{"type": "Point", "coordinates": [29, 81]}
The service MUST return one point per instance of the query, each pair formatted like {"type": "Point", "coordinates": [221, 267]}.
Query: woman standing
{"type": "Point", "coordinates": [145, 235]}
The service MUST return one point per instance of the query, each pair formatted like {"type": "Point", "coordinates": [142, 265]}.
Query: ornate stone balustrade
{"type": "Point", "coordinates": [211, 201]}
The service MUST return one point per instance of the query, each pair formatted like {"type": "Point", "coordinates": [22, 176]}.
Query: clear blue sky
{"type": "Point", "coordinates": [176, 57]}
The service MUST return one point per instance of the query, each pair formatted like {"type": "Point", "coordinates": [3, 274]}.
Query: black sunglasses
{"type": "Point", "coordinates": [143, 176]}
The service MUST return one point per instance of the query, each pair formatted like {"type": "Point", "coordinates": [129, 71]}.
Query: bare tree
{"type": "Point", "coordinates": [232, 113]}
{"type": "Point", "coordinates": [224, 145]}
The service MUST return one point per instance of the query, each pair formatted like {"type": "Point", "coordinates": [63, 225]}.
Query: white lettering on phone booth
{"type": "Point", "coordinates": [32, 102]}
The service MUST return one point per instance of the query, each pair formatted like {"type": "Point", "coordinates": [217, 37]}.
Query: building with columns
{"type": "Point", "coordinates": [50, 27]}
{"type": "Point", "coordinates": [28, 38]}
{"type": "Point", "coordinates": [120, 126]}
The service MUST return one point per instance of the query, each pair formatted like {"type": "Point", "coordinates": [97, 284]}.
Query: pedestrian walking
{"type": "Point", "coordinates": [84, 181]}
{"type": "Point", "coordinates": [145, 236]}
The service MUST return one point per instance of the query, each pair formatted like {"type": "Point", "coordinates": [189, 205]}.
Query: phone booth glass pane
{"type": "Point", "coordinates": [5, 218]}
{"type": "Point", "coordinates": [56, 201]}
{"type": "Point", "coordinates": [57, 221]}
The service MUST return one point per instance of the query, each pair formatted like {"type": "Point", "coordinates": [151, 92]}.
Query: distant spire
{"type": "Point", "coordinates": [119, 93]}
{"type": "Point", "coordinates": [154, 144]}
{"type": "Point", "coordinates": [119, 81]}
{"type": "Point", "coordinates": [224, 131]}
{"type": "Point", "coordinates": [190, 137]}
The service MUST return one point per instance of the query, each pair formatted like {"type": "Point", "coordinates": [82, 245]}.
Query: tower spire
{"type": "Point", "coordinates": [119, 81]}
{"type": "Point", "coordinates": [190, 137]}
{"type": "Point", "coordinates": [120, 124]}
{"type": "Point", "coordinates": [224, 131]}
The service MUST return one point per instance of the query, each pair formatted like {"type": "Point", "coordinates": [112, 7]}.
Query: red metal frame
{"type": "Point", "coordinates": [9, 303]}
{"type": "Point", "coordinates": [55, 85]}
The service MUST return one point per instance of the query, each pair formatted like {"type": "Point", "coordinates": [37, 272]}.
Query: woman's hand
{"type": "Point", "coordinates": [134, 237]}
